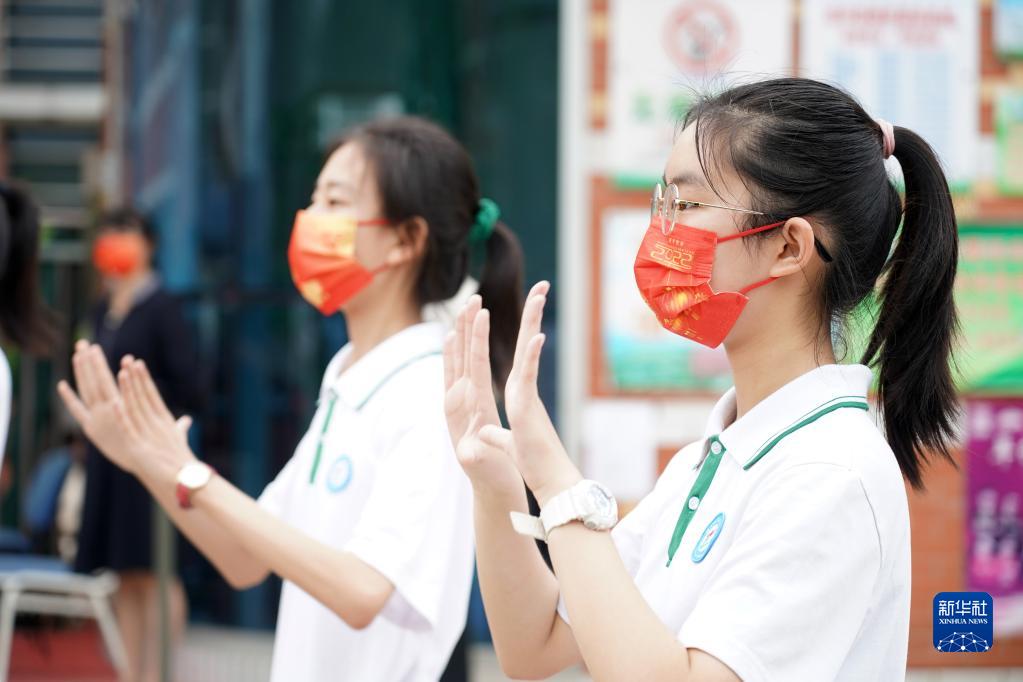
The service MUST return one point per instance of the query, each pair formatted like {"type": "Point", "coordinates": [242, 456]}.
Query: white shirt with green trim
{"type": "Point", "coordinates": [376, 476]}
{"type": "Point", "coordinates": [788, 532]}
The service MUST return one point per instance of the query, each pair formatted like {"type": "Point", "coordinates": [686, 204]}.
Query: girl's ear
{"type": "Point", "coordinates": [796, 250]}
{"type": "Point", "coordinates": [412, 237]}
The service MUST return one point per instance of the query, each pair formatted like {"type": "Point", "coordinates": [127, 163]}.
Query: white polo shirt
{"type": "Point", "coordinates": [788, 538]}
{"type": "Point", "coordinates": [375, 475]}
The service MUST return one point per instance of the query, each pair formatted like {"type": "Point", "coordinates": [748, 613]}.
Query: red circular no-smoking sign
{"type": "Point", "coordinates": [701, 35]}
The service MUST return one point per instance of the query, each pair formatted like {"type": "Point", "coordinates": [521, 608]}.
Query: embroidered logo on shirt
{"type": "Point", "coordinates": [340, 474]}
{"type": "Point", "coordinates": [708, 538]}
{"type": "Point", "coordinates": [963, 622]}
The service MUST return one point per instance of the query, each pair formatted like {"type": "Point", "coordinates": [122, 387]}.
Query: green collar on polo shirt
{"type": "Point", "coordinates": [357, 385]}
{"type": "Point", "coordinates": [857, 402]}
{"type": "Point", "coordinates": [797, 404]}
{"type": "Point", "coordinates": [332, 397]}
{"type": "Point", "coordinates": [361, 382]}
{"type": "Point", "coordinates": [791, 404]}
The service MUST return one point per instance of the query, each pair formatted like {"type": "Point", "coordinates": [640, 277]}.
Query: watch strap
{"type": "Point", "coordinates": [184, 496]}
{"type": "Point", "coordinates": [530, 526]}
{"type": "Point", "coordinates": [559, 510]}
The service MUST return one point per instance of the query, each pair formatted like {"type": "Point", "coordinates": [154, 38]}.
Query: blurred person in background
{"type": "Point", "coordinates": [776, 547]}
{"type": "Point", "coordinates": [24, 320]}
{"type": "Point", "coordinates": [136, 316]}
{"type": "Point", "coordinates": [370, 522]}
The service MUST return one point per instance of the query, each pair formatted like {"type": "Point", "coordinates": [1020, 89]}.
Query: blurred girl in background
{"type": "Point", "coordinates": [370, 522]}
{"type": "Point", "coordinates": [136, 316]}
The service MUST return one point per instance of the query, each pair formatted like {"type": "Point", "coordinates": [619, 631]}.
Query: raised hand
{"type": "Point", "coordinates": [469, 402]}
{"type": "Point", "coordinates": [126, 424]}
{"type": "Point", "coordinates": [98, 407]}
{"type": "Point", "coordinates": [165, 441]}
{"type": "Point", "coordinates": [460, 396]}
{"type": "Point", "coordinates": [532, 442]}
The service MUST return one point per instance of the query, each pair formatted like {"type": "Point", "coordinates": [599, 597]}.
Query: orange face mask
{"type": "Point", "coordinates": [119, 254]}
{"type": "Point", "coordinates": [673, 274]}
{"type": "Point", "coordinates": [322, 259]}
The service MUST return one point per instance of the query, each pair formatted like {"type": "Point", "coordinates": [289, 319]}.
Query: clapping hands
{"type": "Point", "coordinates": [126, 418]}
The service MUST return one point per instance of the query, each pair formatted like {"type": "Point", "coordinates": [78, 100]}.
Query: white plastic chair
{"type": "Point", "coordinates": [43, 584]}
{"type": "Point", "coordinates": [59, 593]}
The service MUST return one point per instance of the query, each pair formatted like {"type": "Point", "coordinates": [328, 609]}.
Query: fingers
{"type": "Point", "coordinates": [133, 406]}
{"type": "Point", "coordinates": [451, 372]}
{"type": "Point", "coordinates": [149, 391]}
{"type": "Point", "coordinates": [530, 369]}
{"type": "Point", "coordinates": [127, 426]}
{"type": "Point", "coordinates": [92, 373]}
{"type": "Point", "coordinates": [81, 370]}
{"type": "Point", "coordinates": [532, 316]}
{"type": "Point", "coordinates": [100, 370]}
{"type": "Point", "coordinates": [457, 338]}
{"type": "Point", "coordinates": [472, 308]}
{"type": "Point", "coordinates": [532, 312]}
{"type": "Point", "coordinates": [479, 354]}
{"type": "Point", "coordinates": [74, 405]}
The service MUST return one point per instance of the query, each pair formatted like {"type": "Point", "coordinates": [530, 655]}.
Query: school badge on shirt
{"type": "Point", "coordinates": [707, 539]}
{"type": "Point", "coordinates": [340, 474]}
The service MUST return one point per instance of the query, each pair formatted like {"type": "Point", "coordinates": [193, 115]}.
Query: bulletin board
{"type": "Point", "coordinates": [633, 110]}
{"type": "Point", "coordinates": [631, 353]}
{"type": "Point", "coordinates": [989, 297]}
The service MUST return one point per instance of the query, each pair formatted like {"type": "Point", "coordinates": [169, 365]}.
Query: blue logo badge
{"type": "Point", "coordinates": [964, 622]}
{"type": "Point", "coordinates": [709, 537]}
{"type": "Point", "coordinates": [340, 474]}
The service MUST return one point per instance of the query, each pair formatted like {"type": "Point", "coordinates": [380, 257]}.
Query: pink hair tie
{"type": "Point", "coordinates": [888, 135]}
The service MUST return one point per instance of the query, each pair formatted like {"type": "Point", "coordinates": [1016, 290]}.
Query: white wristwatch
{"type": "Point", "coordinates": [193, 477]}
{"type": "Point", "coordinates": [586, 501]}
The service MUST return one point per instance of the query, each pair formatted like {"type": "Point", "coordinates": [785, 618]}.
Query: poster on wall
{"type": "Point", "coordinates": [662, 52]}
{"type": "Point", "coordinates": [1009, 139]}
{"type": "Point", "coordinates": [638, 355]}
{"type": "Point", "coordinates": [989, 297]}
{"type": "Point", "coordinates": [994, 448]}
{"type": "Point", "coordinates": [989, 301]}
{"type": "Point", "coordinates": [1008, 28]}
{"type": "Point", "coordinates": [914, 63]}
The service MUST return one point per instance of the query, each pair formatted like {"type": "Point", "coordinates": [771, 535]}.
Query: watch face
{"type": "Point", "coordinates": [599, 499]}
{"type": "Point", "coordinates": [602, 510]}
{"type": "Point", "coordinates": [194, 475]}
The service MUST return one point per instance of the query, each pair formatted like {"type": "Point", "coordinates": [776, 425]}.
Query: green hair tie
{"type": "Point", "coordinates": [486, 218]}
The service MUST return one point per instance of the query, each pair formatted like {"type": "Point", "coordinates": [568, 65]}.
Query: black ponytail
{"type": "Point", "coordinates": [24, 320]}
{"type": "Point", "coordinates": [421, 171]}
{"type": "Point", "coordinates": [501, 290]}
{"type": "Point", "coordinates": [916, 328]}
{"type": "Point", "coordinates": [806, 148]}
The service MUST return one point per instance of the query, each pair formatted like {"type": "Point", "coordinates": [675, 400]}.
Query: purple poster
{"type": "Point", "coordinates": [994, 450]}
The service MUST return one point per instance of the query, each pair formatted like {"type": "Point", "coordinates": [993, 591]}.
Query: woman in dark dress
{"type": "Point", "coordinates": [139, 318]}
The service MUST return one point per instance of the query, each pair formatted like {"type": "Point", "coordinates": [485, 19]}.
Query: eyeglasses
{"type": "Point", "coordinates": [666, 207]}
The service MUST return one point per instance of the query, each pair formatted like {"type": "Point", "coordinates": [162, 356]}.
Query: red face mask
{"type": "Point", "coordinates": [119, 254]}
{"type": "Point", "coordinates": [322, 259]}
{"type": "Point", "coordinates": [673, 273]}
